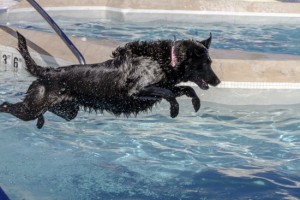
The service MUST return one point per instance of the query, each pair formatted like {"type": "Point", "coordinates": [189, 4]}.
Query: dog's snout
{"type": "Point", "coordinates": [217, 82]}
{"type": "Point", "coordinates": [214, 81]}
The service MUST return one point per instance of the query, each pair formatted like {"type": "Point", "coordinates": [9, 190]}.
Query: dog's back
{"type": "Point", "coordinates": [122, 76]}
{"type": "Point", "coordinates": [159, 50]}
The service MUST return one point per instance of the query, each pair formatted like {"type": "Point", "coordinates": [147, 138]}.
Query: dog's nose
{"type": "Point", "coordinates": [218, 82]}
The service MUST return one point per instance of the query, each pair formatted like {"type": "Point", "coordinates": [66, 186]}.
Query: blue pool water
{"type": "Point", "coordinates": [221, 152]}
{"type": "Point", "coordinates": [283, 39]}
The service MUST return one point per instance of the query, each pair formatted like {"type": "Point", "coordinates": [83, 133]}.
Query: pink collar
{"type": "Point", "coordinates": [173, 56]}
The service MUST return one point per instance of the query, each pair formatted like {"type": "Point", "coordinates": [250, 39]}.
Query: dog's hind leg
{"type": "Point", "coordinates": [32, 107]}
{"type": "Point", "coordinates": [23, 112]}
{"type": "Point", "coordinates": [157, 92]}
{"type": "Point", "coordinates": [189, 92]}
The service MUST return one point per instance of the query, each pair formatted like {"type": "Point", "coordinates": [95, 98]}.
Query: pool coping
{"type": "Point", "coordinates": [155, 15]}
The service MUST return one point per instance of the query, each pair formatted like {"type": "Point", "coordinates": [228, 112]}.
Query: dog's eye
{"type": "Point", "coordinates": [198, 54]}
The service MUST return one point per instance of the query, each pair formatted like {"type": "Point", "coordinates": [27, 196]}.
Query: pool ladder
{"type": "Point", "coordinates": [58, 30]}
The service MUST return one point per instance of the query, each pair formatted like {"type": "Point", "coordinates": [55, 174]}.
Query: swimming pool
{"type": "Point", "coordinates": [222, 152]}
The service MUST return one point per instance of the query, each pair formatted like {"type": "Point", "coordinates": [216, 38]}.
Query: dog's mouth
{"type": "Point", "coordinates": [202, 84]}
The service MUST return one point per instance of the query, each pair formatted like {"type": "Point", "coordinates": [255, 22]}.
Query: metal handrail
{"type": "Point", "coordinates": [58, 30]}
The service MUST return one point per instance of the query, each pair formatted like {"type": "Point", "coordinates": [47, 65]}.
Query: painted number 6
{"type": "Point", "coordinates": [16, 64]}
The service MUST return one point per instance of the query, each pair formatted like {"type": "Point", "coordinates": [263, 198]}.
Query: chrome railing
{"type": "Point", "coordinates": [58, 30]}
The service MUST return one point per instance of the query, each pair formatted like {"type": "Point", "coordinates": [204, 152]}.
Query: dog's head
{"type": "Point", "coordinates": [193, 56]}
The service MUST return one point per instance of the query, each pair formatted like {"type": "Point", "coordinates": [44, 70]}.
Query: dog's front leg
{"type": "Point", "coordinates": [189, 92]}
{"type": "Point", "coordinates": [66, 109]}
{"type": "Point", "coordinates": [157, 92]}
{"type": "Point", "coordinates": [40, 122]}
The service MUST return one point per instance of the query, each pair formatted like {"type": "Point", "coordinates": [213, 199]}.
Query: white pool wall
{"type": "Point", "coordinates": [152, 15]}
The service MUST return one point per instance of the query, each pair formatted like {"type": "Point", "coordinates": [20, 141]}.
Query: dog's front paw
{"type": "Point", "coordinates": [174, 109]}
{"type": "Point", "coordinates": [196, 103]}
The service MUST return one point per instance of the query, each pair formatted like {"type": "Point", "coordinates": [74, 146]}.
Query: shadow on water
{"type": "Point", "coordinates": [268, 185]}
{"type": "Point", "coordinates": [209, 184]}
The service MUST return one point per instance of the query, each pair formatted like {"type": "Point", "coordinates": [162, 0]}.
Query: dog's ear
{"type": "Point", "coordinates": [207, 42]}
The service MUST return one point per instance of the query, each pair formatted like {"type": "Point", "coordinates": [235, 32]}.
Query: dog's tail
{"type": "Point", "coordinates": [31, 66]}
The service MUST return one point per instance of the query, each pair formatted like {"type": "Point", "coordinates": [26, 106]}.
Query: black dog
{"type": "Point", "coordinates": [127, 84]}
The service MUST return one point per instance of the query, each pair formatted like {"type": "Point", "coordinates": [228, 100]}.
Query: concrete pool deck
{"type": "Point", "coordinates": [260, 6]}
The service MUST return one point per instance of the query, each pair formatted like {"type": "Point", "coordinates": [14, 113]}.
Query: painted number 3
{"type": "Point", "coordinates": [5, 59]}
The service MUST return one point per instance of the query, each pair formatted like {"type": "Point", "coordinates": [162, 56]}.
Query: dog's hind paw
{"type": "Point", "coordinates": [196, 103]}
{"type": "Point", "coordinates": [174, 110]}
{"type": "Point", "coordinates": [40, 122]}
{"type": "Point", "coordinates": [4, 107]}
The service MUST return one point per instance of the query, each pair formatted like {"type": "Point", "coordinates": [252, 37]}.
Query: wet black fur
{"type": "Point", "coordinates": [127, 84]}
{"type": "Point", "coordinates": [193, 60]}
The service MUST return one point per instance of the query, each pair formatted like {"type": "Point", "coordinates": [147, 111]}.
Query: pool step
{"type": "Point", "coordinates": [247, 77]}
{"type": "Point", "coordinates": [230, 65]}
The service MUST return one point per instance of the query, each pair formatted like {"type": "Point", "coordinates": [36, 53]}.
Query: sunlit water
{"type": "Point", "coordinates": [221, 152]}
